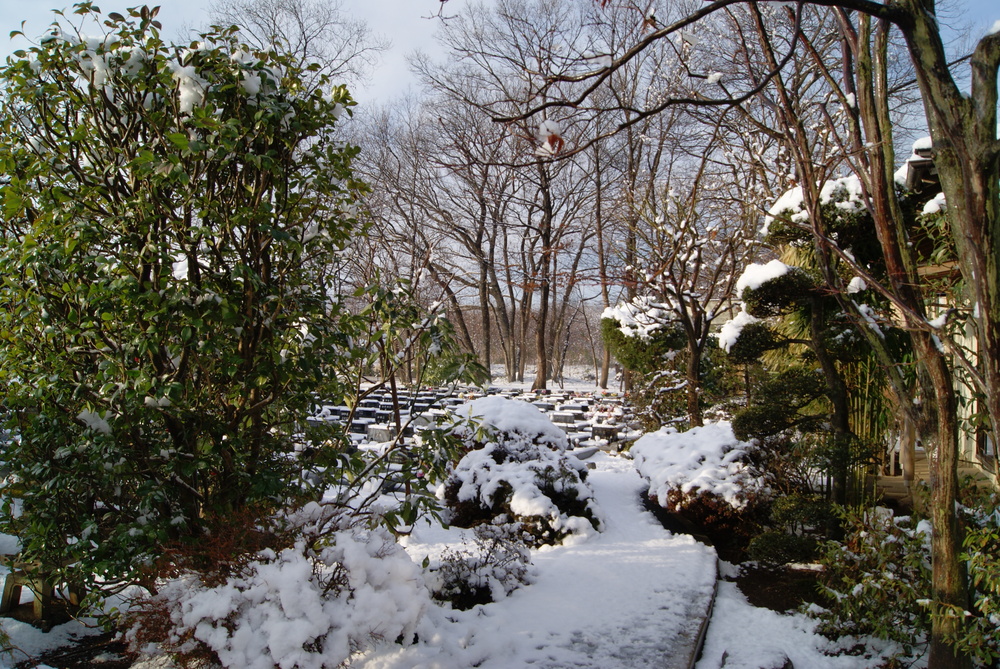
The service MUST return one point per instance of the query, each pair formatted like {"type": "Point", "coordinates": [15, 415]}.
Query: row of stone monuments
{"type": "Point", "coordinates": [589, 419]}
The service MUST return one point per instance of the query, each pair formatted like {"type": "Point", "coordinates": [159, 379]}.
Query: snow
{"type": "Point", "coordinates": [857, 285]}
{"type": "Point", "coordinates": [95, 421]}
{"type": "Point", "coordinates": [524, 460]}
{"type": "Point", "coordinates": [790, 201]}
{"type": "Point", "coordinates": [706, 459]}
{"type": "Point", "coordinates": [733, 328]}
{"type": "Point", "coordinates": [179, 268]}
{"type": "Point", "coordinates": [549, 136]}
{"type": "Point", "coordinates": [631, 595]}
{"type": "Point", "coordinates": [748, 637]}
{"type": "Point", "coordinates": [994, 29]}
{"type": "Point", "coordinates": [30, 642]}
{"type": "Point", "coordinates": [845, 193]}
{"type": "Point", "coordinates": [923, 144]}
{"type": "Point", "coordinates": [714, 78]}
{"type": "Point", "coordinates": [506, 415]}
{"type": "Point", "coordinates": [191, 87]}
{"type": "Point", "coordinates": [939, 322]}
{"type": "Point", "coordinates": [341, 589]}
{"type": "Point", "coordinates": [639, 318]}
{"type": "Point", "coordinates": [275, 617]}
{"type": "Point", "coordinates": [937, 205]}
{"type": "Point", "coordinates": [625, 598]}
{"type": "Point", "coordinates": [754, 276]}
{"type": "Point", "coordinates": [899, 176]}
{"type": "Point", "coordinates": [870, 317]}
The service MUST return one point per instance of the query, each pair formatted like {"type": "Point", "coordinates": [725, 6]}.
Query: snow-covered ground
{"type": "Point", "coordinates": [741, 636]}
{"type": "Point", "coordinates": [633, 595]}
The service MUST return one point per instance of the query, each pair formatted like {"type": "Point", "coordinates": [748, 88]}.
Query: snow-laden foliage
{"type": "Point", "coordinates": [640, 318]}
{"type": "Point", "coordinates": [517, 466]}
{"type": "Point", "coordinates": [878, 579]}
{"type": "Point", "coordinates": [844, 193]}
{"type": "Point", "coordinates": [643, 334]}
{"type": "Point", "coordinates": [733, 328]}
{"type": "Point", "coordinates": [752, 278]}
{"type": "Point", "coordinates": [177, 215]}
{"type": "Point", "coordinates": [755, 275]}
{"type": "Point", "coordinates": [340, 589]}
{"type": "Point", "coordinates": [497, 565]}
{"type": "Point", "coordinates": [707, 459]}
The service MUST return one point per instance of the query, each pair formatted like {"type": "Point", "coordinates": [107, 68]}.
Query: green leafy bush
{"type": "Point", "coordinates": [879, 581]}
{"type": "Point", "coordinates": [980, 636]}
{"type": "Point", "coordinates": [173, 217]}
{"type": "Point", "coordinates": [776, 547]}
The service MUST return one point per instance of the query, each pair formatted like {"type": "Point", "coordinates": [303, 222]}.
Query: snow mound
{"type": "Point", "coordinates": [517, 466]}
{"type": "Point", "coordinates": [733, 328]}
{"type": "Point", "coordinates": [703, 459]}
{"type": "Point", "coordinates": [936, 205]}
{"type": "Point", "coordinates": [503, 415]}
{"type": "Point", "coordinates": [341, 588]}
{"type": "Point", "coordinates": [755, 275]}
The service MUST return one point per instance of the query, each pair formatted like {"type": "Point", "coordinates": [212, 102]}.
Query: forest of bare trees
{"type": "Point", "coordinates": [568, 156]}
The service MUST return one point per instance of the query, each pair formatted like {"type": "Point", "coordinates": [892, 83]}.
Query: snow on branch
{"type": "Point", "coordinates": [640, 318]}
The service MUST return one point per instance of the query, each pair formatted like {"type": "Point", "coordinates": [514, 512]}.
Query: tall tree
{"type": "Point", "coordinates": [171, 226]}
{"type": "Point", "coordinates": [502, 56]}
{"type": "Point", "coordinates": [316, 32]}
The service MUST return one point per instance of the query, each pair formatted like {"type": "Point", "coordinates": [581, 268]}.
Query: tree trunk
{"type": "Point", "coordinates": [602, 263]}
{"type": "Point", "coordinates": [693, 376]}
{"type": "Point", "coordinates": [967, 158]}
{"type": "Point", "coordinates": [544, 288]}
{"type": "Point", "coordinates": [948, 578]}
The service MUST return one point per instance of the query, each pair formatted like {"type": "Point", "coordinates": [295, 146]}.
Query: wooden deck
{"type": "Point", "coordinates": [895, 490]}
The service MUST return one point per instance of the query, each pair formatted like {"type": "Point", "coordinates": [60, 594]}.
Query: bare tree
{"type": "Point", "coordinates": [315, 31]}
{"type": "Point", "coordinates": [502, 54]}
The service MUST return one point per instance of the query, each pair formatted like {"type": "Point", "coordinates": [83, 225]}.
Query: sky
{"type": "Point", "coordinates": [404, 22]}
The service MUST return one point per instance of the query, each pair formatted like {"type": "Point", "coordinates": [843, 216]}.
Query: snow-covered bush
{"type": "Point", "coordinates": [703, 474]}
{"type": "Point", "coordinates": [703, 460]}
{"type": "Point", "coordinates": [496, 567]}
{"type": "Point", "coordinates": [878, 580]}
{"type": "Point", "coordinates": [517, 466]}
{"type": "Point", "coordinates": [338, 589]}
{"type": "Point", "coordinates": [646, 338]}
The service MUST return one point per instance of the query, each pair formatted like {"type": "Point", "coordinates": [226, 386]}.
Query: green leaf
{"type": "Point", "coordinates": [178, 139]}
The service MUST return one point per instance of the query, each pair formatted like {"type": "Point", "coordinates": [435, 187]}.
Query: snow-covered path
{"type": "Point", "coordinates": [631, 596]}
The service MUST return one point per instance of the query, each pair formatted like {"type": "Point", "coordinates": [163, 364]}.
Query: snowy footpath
{"type": "Point", "coordinates": [632, 596]}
